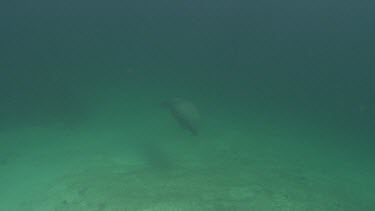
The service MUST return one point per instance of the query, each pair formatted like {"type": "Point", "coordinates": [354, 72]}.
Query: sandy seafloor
{"type": "Point", "coordinates": [131, 155]}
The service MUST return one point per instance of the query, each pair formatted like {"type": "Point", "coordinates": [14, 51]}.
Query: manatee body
{"type": "Point", "coordinates": [185, 113]}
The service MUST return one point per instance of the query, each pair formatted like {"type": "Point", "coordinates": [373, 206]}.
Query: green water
{"type": "Point", "coordinates": [284, 90]}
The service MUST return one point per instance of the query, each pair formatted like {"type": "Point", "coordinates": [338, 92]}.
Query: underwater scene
{"type": "Point", "coordinates": [187, 105]}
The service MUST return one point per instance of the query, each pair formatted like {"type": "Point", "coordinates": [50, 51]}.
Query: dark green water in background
{"type": "Point", "coordinates": [295, 58]}
{"type": "Point", "coordinates": [309, 62]}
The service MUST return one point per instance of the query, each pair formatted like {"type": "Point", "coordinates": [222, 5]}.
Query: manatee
{"type": "Point", "coordinates": [185, 113]}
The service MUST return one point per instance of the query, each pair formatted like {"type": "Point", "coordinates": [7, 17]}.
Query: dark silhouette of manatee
{"type": "Point", "coordinates": [185, 113]}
